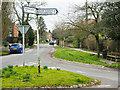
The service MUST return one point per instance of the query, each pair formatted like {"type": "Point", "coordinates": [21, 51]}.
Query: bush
{"type": "Point", "coordinates": [7, 75]}
{"type": "Point", "coordinates": [76, 43]}
{"type": "Point", "coordinates": [45, 67]}
{"type": "Point", "coordinates": [58, 69]}
{"type": "Point", "coordinates": [10, 66]}
{"type": "Point", "coordinates": [32, 66]}
{"type": "Point", "coordinates": [27, 76]}
{"type": "Point", "coordinates": [78, 80]}
{"type": "Point", "coordinates": [16, 66]}
{"type": "Point", "coordinates": [5, 69]}
{"type": "Point", "coordinates": [10, 69]}
{"type": "Point", "coordinates": [92, 54]}
{"type": "Point", "coordinates": [14, 72]}
{"type": "Point", "coordinates": [5, 43]}
{"type": "Point", "coordinates": [26, 66]}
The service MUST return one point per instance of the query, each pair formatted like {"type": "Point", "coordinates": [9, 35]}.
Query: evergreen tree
{"type": "Point", "coordinates": [42, 27]}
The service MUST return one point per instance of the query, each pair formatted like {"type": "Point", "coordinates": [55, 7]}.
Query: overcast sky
{"type": "Point", "coordinates": [63, 6]}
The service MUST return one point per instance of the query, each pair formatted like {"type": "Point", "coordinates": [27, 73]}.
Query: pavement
{"type": "Point", "coordinates": [108, 76]}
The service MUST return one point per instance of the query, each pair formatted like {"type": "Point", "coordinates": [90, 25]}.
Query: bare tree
{"type": "Point", "coordinates": [94, 9]}
{"type": "Point", "coordinates": [6, 21]}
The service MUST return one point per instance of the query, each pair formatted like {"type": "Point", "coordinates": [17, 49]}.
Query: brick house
{"type": "Point", "coordinates": [49, 36]}
{"type": "Point", "coordinates": [15, 30]}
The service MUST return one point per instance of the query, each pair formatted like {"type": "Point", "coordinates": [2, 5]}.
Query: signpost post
{"type": "Point", "coordinates": [39, 11]}
{"type": "Point", "coordinates": [23, 29]}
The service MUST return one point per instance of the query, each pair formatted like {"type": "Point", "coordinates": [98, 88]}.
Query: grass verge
{"type": "Point", "coordinates": [28, 76]}
{"type": "Point", "coordinates": [78, 56]}
{"type": "Point", "coordinates": [4, 53]}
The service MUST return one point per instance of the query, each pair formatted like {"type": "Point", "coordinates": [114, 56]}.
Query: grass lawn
{"type": "Point", "coordinates": [28, 76]}
{"type": "Point", "coordinates": [78, 56]}
{"type": "Point", "coordinates": [4, 53]}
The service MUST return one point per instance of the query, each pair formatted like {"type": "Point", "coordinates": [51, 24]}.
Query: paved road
{"type": "Point", "coordinates": [109, 77]}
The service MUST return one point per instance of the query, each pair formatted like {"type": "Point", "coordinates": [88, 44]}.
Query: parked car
{"type": "Point", "coordinates": [16, 47]}
{"type": "Point", "coordinates": [51, 43]}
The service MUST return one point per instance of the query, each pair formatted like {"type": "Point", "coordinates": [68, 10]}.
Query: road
{"type": "Point", "coordinates": [109, 77]}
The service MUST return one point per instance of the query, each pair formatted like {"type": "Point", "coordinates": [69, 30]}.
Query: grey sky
{"type": "Point", "coordinates": [63, 6]}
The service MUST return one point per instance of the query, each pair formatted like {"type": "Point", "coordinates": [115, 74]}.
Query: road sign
{"type": "Point", "coordinates": [26, 27]}
{"type": "Point", "coordinates": [47, 11]}
{"type": "Point", "coordinates": [29, 10]}
{"type": "Point", "coordinates": [40, 11]}
{"type": "Point", "coordinates": [23, 29]}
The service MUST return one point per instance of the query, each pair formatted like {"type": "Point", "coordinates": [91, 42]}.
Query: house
{"type": "Point", "coordinates": [49, 36]}
{"type": "Point", "coordinates": [13, 31]}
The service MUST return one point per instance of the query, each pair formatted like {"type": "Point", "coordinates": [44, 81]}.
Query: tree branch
{"type": "Point", "coordinates": [19, 19]}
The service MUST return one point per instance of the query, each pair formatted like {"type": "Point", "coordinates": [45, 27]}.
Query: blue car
{"type": "Point", "coordinates": [51, 43]}
{"type": "Point", "coordinates": [16, 47]}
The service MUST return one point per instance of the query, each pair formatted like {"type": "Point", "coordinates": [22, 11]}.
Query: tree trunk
{"type": "Point", "coordinates": [97, 43]}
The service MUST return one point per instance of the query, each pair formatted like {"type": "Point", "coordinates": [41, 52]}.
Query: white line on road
{"type": "Point", "coordinates": [103, 86]}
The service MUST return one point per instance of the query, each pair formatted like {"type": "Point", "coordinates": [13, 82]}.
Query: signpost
{"type": "Point", "coordinates": [23, 29]}
{"type": "Point", "coordinates": [39, 11]}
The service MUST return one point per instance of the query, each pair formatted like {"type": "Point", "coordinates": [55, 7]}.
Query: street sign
{"type": "Point", "coordinates": [47, 11]}
{"type": "Point", "coordinates": [29, 10]}
{"type": "Point", "coordinates": [23, 29]}
{"type": "Point", "coordinates": [40, 11]}
{"type": "Point", "coordinates": [26, 27]}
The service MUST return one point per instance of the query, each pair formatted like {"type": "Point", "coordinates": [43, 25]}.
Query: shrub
{"type": "Point", "coordinates": [5, 69]}
{"type": "Point", "coordinates": [10, 69]}
{"type": "Point", "coordinates": [32, 66]}
{"type": "Point", "coordinates": [58, 69]}
{"type": "Point", "coordinates": [92, 54]}
{"type": "Point", "coordinates": [5, 43]}
{"type": "Point", "coordinates": [76, 43]}
{"type": "Point", "coordinates": [45, 67]}
{"type": "Point", "coordinates": [38, 75]}
{"type": "Point", "coordinates": [7, 75]}
{"type": "Point", "coordinates": [13, 72]}
{"type": "Point", "coordinates": [26, 66]}
{"type": "Point", "coordinates": [78, 80]}
{"type": "Point", "coordinates": [16, 66]}
{"type": "Point", "coordinates": [27, 76]}
{"type": "Point", "coordinates": [10, 66]}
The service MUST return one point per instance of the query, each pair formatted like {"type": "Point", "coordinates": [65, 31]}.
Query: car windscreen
{"type": "Point", "coordinates": [14, 45]}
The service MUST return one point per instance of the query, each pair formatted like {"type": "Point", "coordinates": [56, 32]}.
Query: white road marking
{"type": "Point", "coordinates": [104, 86]}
